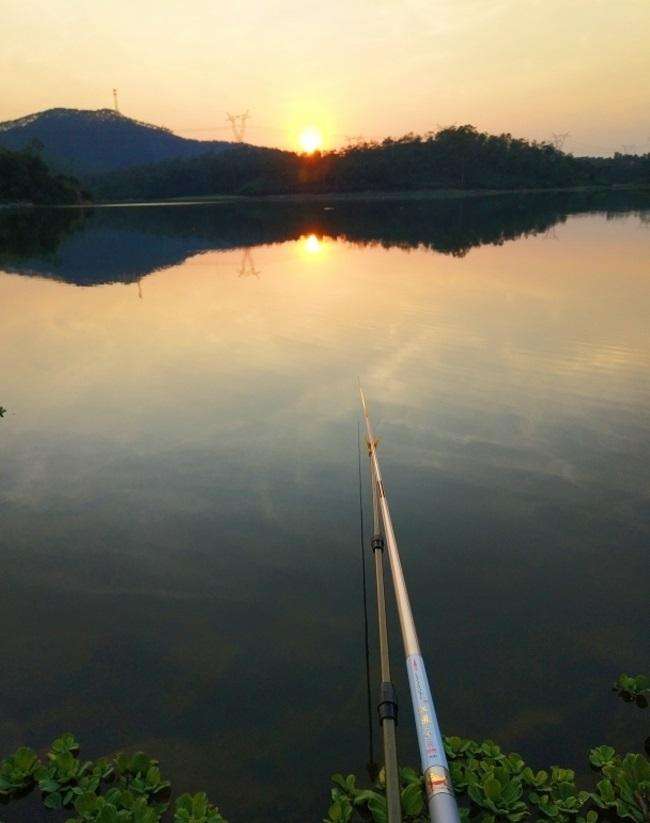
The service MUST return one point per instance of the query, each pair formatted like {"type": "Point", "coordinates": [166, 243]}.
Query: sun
{"type": "Point", "coordinates": [313, 244]}
{"type": "Point", "coordinates": [310, 139]}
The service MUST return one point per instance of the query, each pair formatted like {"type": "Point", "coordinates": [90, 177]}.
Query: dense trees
{"type": "Point", "coordinates": [457, 158]}
{"type": "Point", "coordinates": [25, 178]}
{"type": "Point", "coordinates": [453, 158]}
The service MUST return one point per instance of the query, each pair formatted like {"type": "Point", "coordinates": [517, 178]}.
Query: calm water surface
{"type": "Point", "coordinates": [179, 542]}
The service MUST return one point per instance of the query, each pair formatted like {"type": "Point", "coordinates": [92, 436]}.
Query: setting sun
{"type": "Point", "coordinates": [312, 244]}
{"type": "Point", "coordinates": [311, 139]}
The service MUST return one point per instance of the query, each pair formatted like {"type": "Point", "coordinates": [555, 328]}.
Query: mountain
{"type": "Point", "coordinates": [81, 142]}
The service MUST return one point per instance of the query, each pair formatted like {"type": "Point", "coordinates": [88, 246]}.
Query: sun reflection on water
{"type": "Point", "coordinates": [313, 247]}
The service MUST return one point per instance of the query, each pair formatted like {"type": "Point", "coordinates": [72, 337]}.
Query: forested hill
{"type": "Point", "coordinates": [453, 158]}
{"type": "Point", "coordinates": [80, 142]}
{"type": "Point", "coordinates": [25, 178]}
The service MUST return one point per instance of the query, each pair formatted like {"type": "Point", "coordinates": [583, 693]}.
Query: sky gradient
{"type": "Point", "coordinates": [372, 67]}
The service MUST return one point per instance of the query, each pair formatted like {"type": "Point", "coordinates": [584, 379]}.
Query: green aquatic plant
{"type": "Point", "coordinates": [3, 411]}
{"type": "Point", "coordinates": [196, 809]}
{"type": "Point", "coordinates": [602, 756]}
{"type": "Point", "coordinates": [17, 772]}
{"type": "Point", "coordinates": [633, 688]}
{"type": "Point", "coordinates": [625, 787]}
{"type": "Point", "coordinates": [493, 786]}
{"type": "Point", "coordinates": [119, 789]}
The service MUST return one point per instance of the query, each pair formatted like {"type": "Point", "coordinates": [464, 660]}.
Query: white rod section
{"type": "Point", "coordinates": [440, 793]}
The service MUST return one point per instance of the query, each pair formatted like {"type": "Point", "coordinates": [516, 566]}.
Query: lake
{"type": "Point", "coordinates": [178, 479]}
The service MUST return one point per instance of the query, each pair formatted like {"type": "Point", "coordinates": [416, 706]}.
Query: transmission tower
{"type": "Point", "coordinates": [353, 140]}
{"type": "Point", "coordinates": [629, 148]}
{"type": "Point", "coordinates": [115, 105]}
{"type": "Point", "coordinates": [247, 266]}
{"type": "Point", "coordinates": [558, 140]}
{"type": "Point", "coordinates": [238, 125]}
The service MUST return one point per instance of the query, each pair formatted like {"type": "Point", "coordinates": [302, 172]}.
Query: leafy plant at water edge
{"type": "Point", "coordinates": [493, 786]}
{"type": "Point", "coordinates": [635, 688]}
{"type": "Point", "coordinates": [121, 789]}
{"type": "Point", "coordinates": [490, 785]}
{"type": "Point", "coordinates": [625, 787]}
{"type": "Point", "coordinates": [17, 772]}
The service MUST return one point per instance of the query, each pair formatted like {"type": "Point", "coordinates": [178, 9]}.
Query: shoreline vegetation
{"type": "Point", "coordinates": [458, 158]}
{"type": "Point", "coordinates": [333, 197]}
{"type": "Point", "coordinates": [491, 786]}
{"type": "Point", "coordinates": [369, 196]}
{"type": "Point", "coordinates": [453, 162]}
{"type": "Point", "coordinates": [26, 179]}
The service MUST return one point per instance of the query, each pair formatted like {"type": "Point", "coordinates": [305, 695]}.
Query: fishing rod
{"type": "Point", "coordinates": [387, 707]}
{"type": "Point", "coordinates": [437, 782]}
{"type": "Point", "coordinates": [372, 766]}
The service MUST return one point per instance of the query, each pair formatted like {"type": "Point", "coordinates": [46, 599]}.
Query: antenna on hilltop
{"type": "Point", "coordinates": [558, 140]}
{"type": "Point", "coordinates": [115, 105]}
{"type": "Point", "coordinates": [238, 125]}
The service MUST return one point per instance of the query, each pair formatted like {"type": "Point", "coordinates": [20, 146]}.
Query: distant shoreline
{"type": "Point", "coordinates": [333, 197]}
{"type": "Point", "coordinates": [365, 196]}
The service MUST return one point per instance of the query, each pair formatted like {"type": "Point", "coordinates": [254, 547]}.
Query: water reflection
{"type": "Point", "coordinates": [177, 481]}
{"type": "Point", "coordinates": [313, 244]}
{"type": "Point", "coordinates": [106, 245]}
{"type": "Point", "coordinates": [247, 265]}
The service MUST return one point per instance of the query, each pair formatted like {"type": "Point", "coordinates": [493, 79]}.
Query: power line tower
{"type": "Point", "coordinates": [629, 148]}
{"type": "Point", "coordinates": [558, 139]}
{"type": "Point", "coordinates": [354, 140]}
{"type": "Point", "coordinates": [115, 105]}
{"type": "Point", "coordinates": [238, 125]}
{"type": "Point", "coordinates": [247, 265]}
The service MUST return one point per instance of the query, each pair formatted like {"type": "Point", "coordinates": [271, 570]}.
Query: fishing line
{"type": "Point", "coordinates": [372, 766]}
{"type": "Point", "coordinates": [435, 769]}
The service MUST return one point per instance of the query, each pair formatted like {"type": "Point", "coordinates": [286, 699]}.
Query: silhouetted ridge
{"type": "Point", "coordinates": [87, 141]}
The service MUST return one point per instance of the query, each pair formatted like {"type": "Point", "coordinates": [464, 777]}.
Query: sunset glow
{"type": "Point", "coordinates": [312, 244]}
{"type": "Point", "coordinates": [366, 69]}
{"type": "Point", "coordinates": [311, 139]}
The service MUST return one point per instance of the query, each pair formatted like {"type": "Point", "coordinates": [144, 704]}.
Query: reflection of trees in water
{"type": "Point", "coordinates": [26, 233]}
{"type": "Point", "coordinates": [103, 245]}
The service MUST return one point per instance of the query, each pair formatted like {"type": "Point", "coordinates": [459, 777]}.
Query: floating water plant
{"type": "Point", "coordinates": [632, 688]}
{"type": "Point", "coordinates": [121, 789]}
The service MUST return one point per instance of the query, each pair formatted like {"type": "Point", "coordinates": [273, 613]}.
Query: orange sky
{"type": "Point", "coordinates": [372, 67]}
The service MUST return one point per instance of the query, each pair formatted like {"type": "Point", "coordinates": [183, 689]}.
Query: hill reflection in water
{"type": "Point", "coordinates": [111, 245]}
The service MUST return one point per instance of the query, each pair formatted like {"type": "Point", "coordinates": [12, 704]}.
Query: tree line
{"type": "Point", "coordinates": [458, 157]}
{"type": "Point", "coordinates": [26, 178]}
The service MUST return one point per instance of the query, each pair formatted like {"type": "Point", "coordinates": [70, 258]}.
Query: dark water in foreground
{"type": "Point", "coordinates": [179, 541]}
